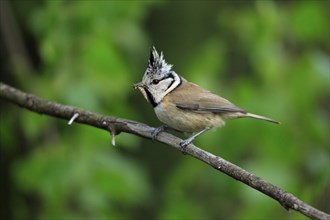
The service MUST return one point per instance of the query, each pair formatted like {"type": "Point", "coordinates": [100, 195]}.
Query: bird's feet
{"type": "Point", "coordinates": [185, 143]}
{"type": "Point", "coordinates": [156, 131]}
{"type": "Point", "coordinates": [188, 141]}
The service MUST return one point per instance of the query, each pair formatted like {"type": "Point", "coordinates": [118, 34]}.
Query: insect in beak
{"type": "Point", "coordinates": [138, 85]}
{"type": "Point", "coordinates": [142, 89]}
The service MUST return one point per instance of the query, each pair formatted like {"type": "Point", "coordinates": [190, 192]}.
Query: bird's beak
{"type": "Point", "coordinates": [138, 85]}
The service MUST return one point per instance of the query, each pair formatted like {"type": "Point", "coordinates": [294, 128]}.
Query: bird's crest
{"type": "Point", "coordinates": [157, 63]}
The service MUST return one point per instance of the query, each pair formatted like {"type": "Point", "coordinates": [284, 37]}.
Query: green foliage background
{"type": "Point", "coordinates": [268, 57]}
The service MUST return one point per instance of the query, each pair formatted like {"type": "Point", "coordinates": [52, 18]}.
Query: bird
{"type": "Point", "coordinates": [182, 105]}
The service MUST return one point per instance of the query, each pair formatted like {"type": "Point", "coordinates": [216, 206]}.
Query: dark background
{"type": "Point", "coordinates": [268, 57]}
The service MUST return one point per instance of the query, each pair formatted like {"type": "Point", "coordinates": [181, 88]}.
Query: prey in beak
{"type": "Point", "coordinates": [142, 89]}
{"type": "Point", "coordinates": [138, 85]}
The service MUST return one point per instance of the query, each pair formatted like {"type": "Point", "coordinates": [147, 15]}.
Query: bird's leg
{"type": "Point", "coordinates": [186, 142]}
{"type": "Point", "coordinates": [156, 131]}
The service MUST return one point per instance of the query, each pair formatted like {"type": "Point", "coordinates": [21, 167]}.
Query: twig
{"type": "Point", "coordinates": [74, 117]}
{"type": "Point", "coordinates": [117, 125]}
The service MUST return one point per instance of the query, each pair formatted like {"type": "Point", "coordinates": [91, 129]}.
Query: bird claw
{"type": "Point", "coordinates": [156, 131]}
{"type": "Point", "coordinates": [184, 144]}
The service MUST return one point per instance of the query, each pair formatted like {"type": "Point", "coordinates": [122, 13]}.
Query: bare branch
{"type": "Point", "coordinates": [117, 125]}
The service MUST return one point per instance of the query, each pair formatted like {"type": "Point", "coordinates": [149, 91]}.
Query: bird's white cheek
{"type": "Point", "coordinates": [157, 95]}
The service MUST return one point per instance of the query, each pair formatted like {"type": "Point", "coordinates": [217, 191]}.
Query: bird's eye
{"type": "Point", "coordinates": [155, 81]}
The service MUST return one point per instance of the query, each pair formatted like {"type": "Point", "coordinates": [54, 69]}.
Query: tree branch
{"type": "Point", "coordinates": [117, 125]}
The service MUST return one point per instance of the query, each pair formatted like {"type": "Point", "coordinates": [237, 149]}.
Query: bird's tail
{"type": "Point", "coordinates": [250, 115]}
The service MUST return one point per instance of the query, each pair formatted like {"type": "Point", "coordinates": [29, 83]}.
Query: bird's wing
{"type": "Point", "coordinates": [192, 97]}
